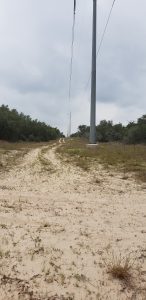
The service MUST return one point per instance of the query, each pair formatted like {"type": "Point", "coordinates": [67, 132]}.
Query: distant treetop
{"type": "Point", "coordinates": [16, 126]}
{"type": "Point", "coordinates": [106, 131]}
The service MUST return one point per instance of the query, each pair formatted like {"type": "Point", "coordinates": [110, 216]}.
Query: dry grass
{"type": "Point", "coordinates": [12, 153]}
{"type": "Point", "coordinates": [125, 269]}
{"type": "Point", "coordinates": [120, 269]}
{"type": "Point", "coordinates": [128, 272]}
{"type": "Point", "coordinates": [46, 164]}
{"type": "Point", "coordinates": [21, 145]}
{"type": "Point", "coordinates": [9, 158]}
{"type": "Point", "coordinates": [124, 158]}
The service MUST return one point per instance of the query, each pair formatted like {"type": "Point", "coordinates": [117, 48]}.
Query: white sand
{"type": "Point", "coordinates": [59, 230]}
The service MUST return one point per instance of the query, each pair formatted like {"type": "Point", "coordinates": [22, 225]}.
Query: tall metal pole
{"type": "Point", "coordinates": [92, 139]}
{"type": "Point", "coordinates": [70, 124]}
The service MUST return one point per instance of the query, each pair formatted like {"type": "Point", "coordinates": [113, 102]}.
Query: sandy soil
{"type": "Point", "coordinates": [60, 228]}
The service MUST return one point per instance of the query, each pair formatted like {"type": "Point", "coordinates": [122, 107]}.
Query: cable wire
{"type": "Point", "coordinates": [102, 38]}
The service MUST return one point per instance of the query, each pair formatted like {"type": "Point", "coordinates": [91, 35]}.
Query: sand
{"type": "Point", "coordinates": [61, 228]}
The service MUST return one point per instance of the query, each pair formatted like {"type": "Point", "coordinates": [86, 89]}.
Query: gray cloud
{"type": "Point", "coordinates": [35, 57]}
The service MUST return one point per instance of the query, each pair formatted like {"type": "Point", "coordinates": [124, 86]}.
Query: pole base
{"type": "Point", "coordinates": [91, 145]}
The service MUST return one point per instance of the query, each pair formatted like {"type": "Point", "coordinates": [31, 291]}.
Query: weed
{"type": "Point", "coordinates": [1, 254]}
{"type": "Point", "coordinates": [121, 268]}
{"type": "Point", "coordinates": [85, 233]}
{"type": "Point", "coordinates": [3, 226]}
{"type": "Point", "coordinates": [4, 254]}
{"type": "Point", "coordinates": [125, 177]}
{"type": "Point", "coordinates": [49, 279]}
{"type": "Point", "coordinates": [98, 181]}
{"type": "Point", "coordinates": [37, 251]}
{"type": "Point", "coordinates": [46, 225]}
{"type": "Point", "coordinates": [62, 278]}
{"type": "Point", "coordinates": [80, 277]}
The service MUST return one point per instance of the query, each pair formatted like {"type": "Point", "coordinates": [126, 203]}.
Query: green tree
{"type": "Point", "coordinates": [16, 126]}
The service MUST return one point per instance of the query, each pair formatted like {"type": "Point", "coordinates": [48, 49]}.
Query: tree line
{"type": "Point", "coordinates": [106, 131]}
{"type": "Point", "coordinates": [16, 126]}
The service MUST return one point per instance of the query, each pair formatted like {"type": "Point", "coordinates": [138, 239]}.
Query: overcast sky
{"type": "Point", "coordinates": [35, 40]}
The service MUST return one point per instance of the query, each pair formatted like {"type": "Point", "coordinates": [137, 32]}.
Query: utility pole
{"type": "Point", "coordinates": [70, 124]}
{"type": "Point", "coordinates": [69, 127]}
{"type": "Point", "coordinates": [92, 139]}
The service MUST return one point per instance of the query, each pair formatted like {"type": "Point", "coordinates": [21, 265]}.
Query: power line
{"type": "Point", "coordinates": [71, 61]}
{"type": "Point", "coordinates": [72, 55]}
{"type": "Point", "coordinates": [102, 37]}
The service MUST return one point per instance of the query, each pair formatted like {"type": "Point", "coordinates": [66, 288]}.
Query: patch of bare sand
{"type": "Point", "coordinates": [59, 228]}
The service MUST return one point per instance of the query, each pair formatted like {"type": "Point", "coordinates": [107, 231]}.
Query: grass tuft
{"type": "Point", "coordinates": [121, 268]}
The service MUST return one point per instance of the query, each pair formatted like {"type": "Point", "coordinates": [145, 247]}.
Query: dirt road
{"type": "Point", "coordinates": [61, 228]}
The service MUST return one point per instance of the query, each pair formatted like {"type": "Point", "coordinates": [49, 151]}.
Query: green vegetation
{"type": "Point", "coordinates": [124, 158]}
{"type": "Point", "coordinates": [16, 126]}
{"type": "Point", "coordinates": [133, 133]}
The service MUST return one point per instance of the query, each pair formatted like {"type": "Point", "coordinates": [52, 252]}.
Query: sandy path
{"type": "Point", "coordinates": [59, 227]}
